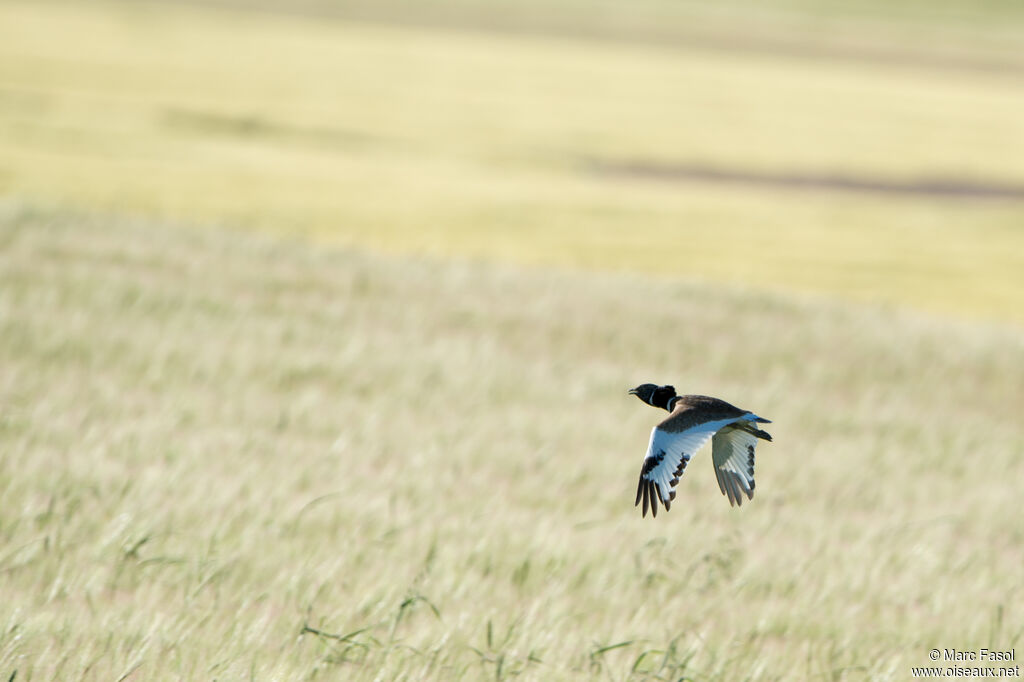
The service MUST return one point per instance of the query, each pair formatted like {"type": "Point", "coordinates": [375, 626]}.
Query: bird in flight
{"type": "Point", "coordinates": [692, 420]}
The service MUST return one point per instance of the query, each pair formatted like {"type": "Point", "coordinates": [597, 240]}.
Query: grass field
{"type": "Point", "coordinates": [483, 145]}
{"type": "Point", "coordinates": [317, 321]}
{"type": "Point", "coordinates": [227, 456]}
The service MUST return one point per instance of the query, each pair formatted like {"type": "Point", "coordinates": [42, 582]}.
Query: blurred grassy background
{"type": "Point", "coordinates": [211, 441]}
{"type": "Point", "coordinates": [497, 144]}
{"type": "Point", "coordinates": [378, 429]}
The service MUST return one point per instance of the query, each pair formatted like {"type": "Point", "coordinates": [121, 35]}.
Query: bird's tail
{"type": "Point", "coordinates": [753, 430]}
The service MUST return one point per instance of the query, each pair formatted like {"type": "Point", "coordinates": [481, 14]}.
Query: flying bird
{"type": "Point", "coordinates": [692, 420]}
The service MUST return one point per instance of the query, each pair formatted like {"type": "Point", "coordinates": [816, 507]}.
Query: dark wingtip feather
{"type": "Point", "coordinates": [645, 490]}
{"type": "Point", "coordinates": [639, 491]}
{"type": "Point", "coordinates": [654, 499]}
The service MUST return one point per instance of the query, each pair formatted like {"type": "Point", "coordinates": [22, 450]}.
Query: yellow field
{"type": "Point", "coordinates": [230, 457]}
{"type": "Point", "coordinates": [481, 145]}
{"type": "Point", "coordinates": [316, 331]}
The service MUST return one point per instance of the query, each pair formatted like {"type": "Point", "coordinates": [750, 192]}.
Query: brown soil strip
{"type": "Point", "coordinates": [937, 187]}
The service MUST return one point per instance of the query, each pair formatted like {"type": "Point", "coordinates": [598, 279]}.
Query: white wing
{"type": "Point", "coordinates": [732, 451]}
{"type": "Point", "coordinates": [667, 456]}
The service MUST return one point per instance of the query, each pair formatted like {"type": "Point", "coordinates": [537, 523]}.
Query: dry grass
{"type": "Point", "coordinates": [225, 456]}
{"type": "Point", "coordinates": [420, 139]}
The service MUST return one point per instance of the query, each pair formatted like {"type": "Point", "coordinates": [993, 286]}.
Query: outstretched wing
{"type": "Point", "coordinates": [732, 452]}
{"type": "Point", "coordinates": [667, 456]}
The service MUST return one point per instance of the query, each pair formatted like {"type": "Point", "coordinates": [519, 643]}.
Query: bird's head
{"type": "Point", "coordinates": [656, 396]}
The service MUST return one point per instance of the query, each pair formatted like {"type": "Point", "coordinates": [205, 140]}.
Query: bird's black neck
{"type": "Point", "coordinates": [664, 397]}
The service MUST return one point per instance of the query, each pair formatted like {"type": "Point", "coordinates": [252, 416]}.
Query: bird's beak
{"type": "Point", "coordinates": [632, 391]}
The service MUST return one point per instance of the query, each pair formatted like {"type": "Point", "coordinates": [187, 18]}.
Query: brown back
{"type": "Point", "coordinates": [691, 410]}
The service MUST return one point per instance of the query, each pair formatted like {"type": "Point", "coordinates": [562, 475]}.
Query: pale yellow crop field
{"type": "Point", "coordinates": [315, 336]}
{"type": "Point", "coordinates": [226, 456]}
{"type": "Point", "coordinates": [481, 145]}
